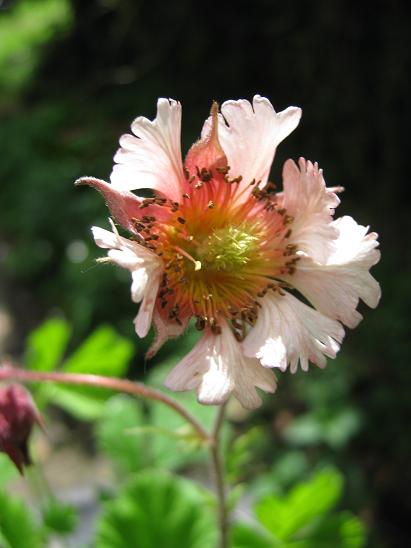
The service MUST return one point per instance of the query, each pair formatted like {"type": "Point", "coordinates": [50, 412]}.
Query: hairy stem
{"type": "Point", "coordinates": [140, 390]}
{"type": "Point", "coordinates": [219, 478]}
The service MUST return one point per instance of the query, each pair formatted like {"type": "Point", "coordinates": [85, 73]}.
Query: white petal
{"type": "Point", "coordinates": [307, 199]}
{"type": "Point", "coordinates": [251, 138]}
{"type": "Point", "coordinates": [144, 317]}
{"type": "Point", "coordinates": [216, 367]}
{"type": "Point", "coordinates": [335, 288]}
{"type": "Point", "coordinates": [288, 331]}
{"type": "Point", "coordinates": [104, 238]}
{"type": "Point", "coordinates": [152, 158]}
{"type": "Point", "coordinates": [145, 268]}
{"type": "Point", "coordinates": [165, 330]}
{"type": "Point", "coordinates": [126, 253]}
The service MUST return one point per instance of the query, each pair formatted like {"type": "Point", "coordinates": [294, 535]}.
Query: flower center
{"type": "Point", "coordinates": [229, 248]}
{"type": "Point", "coordinates": [219, 258]}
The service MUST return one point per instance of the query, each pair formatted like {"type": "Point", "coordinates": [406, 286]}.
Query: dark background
{"type": "Point", "coordinates": [104, 62]}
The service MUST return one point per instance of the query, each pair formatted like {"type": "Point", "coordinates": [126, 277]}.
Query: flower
{"type": "Point", "coordinates": [218, 243]}
{"type": "Point", "coordinates": [18, 414]}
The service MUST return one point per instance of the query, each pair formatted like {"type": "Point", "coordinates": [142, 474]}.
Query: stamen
{"type": "Point", "coordinates": [197, 264]}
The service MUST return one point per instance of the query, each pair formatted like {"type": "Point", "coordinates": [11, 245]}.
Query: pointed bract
{"type": "Point", "coordinates": [207, 152]}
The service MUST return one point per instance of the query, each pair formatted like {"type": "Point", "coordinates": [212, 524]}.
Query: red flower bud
{"type": "Point", "coordinates": [17, 417]}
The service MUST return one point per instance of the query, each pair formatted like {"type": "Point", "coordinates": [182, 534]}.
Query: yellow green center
{"type": "Point", "coordinates": [229, 248]}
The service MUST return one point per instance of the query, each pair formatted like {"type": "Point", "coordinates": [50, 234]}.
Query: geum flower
{"type": "Point", "coordinates": [217, 242]}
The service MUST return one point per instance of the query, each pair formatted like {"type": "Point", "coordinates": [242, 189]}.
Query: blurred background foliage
{"type": "Point", "coordinates": [73, 75]}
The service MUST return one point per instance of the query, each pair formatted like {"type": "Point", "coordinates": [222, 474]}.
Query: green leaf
{"type": "Point", "coordinates": [104, 352]}
{"type": "Point", "coordinates": [8, 470]}
{"type": "Point", "coordinates": [23, 29]}
{"type": "Point", "coordinates": [125, 448]}
{"type": "Point", "coordinates": [46, 345]}
{"type": "Point", "coordinates": [284, 516]}
{"type": "Point", "coordinates": [340, 531]}
{"type": "Point", "coordinates": [173, 452]}
{"type": "Point", "coordinates": [157, 509]}
{"type": "Point", "coordinates": [180, 450]}
{"type": "Point", "coordinates": [288, 469]}
{"type": "Point", "coordinates": [304, 430]}
{"type": "Point", "coordinates": [60, 518]}
{"type": "Point", "coordinates": [246, 536]}
{"type": "Point", "coordinates": [83, 402]}
{"type": "Point", "coordinates": [17, 527]}
{"type": "Point", "coordinates": [335, 428]}
{"type": "Point", "coordinates": [241, 453]}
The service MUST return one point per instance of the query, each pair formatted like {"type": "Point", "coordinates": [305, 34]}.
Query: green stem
{"type": "Point", "coordinates": [8, 373]}
{"type": "Point", "coordinates": [219, 478]}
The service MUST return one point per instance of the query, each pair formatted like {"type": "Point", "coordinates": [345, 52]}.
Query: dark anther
{"type": "Point", "coordinates": [238, 336]}
{"type": "Point", "coordinates": [216, 329]}
{"type": "Point", "coordinates": [205, 175]}
{"type": "Point", "coordinates": [200, 323]}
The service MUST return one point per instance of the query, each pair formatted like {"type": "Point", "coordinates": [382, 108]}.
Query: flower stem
{"type": "Point", "coordinates": [8, 373]}
{"type": "Point", "coordinates": [218, 469]}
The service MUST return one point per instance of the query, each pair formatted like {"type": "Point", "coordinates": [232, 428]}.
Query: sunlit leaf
{"type": "Point", "coordinates": [47, 344]}
{"type": "Point", "coordinates": [284, 516]}
{"type": "Point", "coordinates": [17, 527]}
{"type": "Point", "coordinates": [247, 536]}
{"type": "Point", "coordinates": [23, 29]}
{"type": "Point", "coordinates": [126, 449]}
{"type": "Point", "coordinates": [104, 352]}
{"type": "Point", "coordinates": [60, 518]}
{"type": "Point", "coordinates": [173, 452]}
{"type": "Point", "coordinates": [8, 471]}
{"type": "Point", "coordinates": [157, 509]}
{"type": "Point", "coordinates": [83, 402]}
{"type": "Point", "coordinates": [340, 531]}
{"type": "Point", "coordinates": [242, 451]}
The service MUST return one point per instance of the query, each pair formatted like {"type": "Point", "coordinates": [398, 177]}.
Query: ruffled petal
{"type": "Point", "coordinates": [145, 268]}
{"type": "Point", "coordinates": [335, 288]}
{"type": "Point", "coordinates": [142, 321]}
{"type": "Point", "coordinates": [152, 158]}
{"type": "Point", "coordinates": [288, 331]}
{"type": "Point", "coordinates": [164, 330]}
{"type": "Point", "coordinates": [312, 205]}
{"type": "Point", "coordinates": [249, 135]}
{"type": "Point", "coordinates": [216, 367]}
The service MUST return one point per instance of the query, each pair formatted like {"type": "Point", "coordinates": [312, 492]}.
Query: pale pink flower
{"type": "Point", "coordinates": [217, 243]}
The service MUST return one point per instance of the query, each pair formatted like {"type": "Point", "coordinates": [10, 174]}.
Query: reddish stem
{"type": "Point", "coordinates": [138, 389]}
